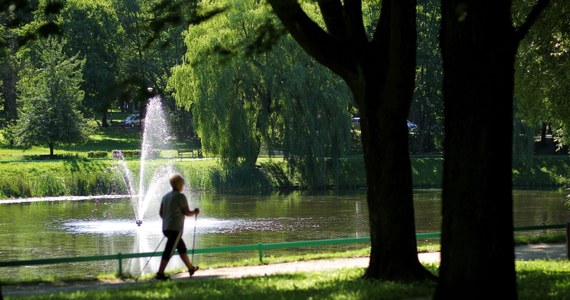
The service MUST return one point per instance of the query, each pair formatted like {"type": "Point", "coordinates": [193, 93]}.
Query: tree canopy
{"type": "Point", "coordinates": [244, 98]}
{"type": "Point", "coordinates": [49, 89]}
{"type": "Point", "coordinates": [542, 67]}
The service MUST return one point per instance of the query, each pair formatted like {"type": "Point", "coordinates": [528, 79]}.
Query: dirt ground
{"type": "Point", "coordinates": [526, 252]}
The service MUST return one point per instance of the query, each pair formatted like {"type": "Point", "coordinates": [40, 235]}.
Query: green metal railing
{"type": "Point", "coordinates": [250, 247]}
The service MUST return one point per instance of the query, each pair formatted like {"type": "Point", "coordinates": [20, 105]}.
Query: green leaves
{"type": "Point", "coordinates": [250, 86]}
{"type": "Point", "coordinates": [542, 64]}
{"type": "Point", "coordinates": [50, 94]}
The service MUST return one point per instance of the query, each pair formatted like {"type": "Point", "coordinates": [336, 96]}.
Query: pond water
{"type": "Point", "coordinates": [45, 229]}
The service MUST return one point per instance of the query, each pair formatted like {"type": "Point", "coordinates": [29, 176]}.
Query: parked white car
{"type": "Point", "coordinates": [133, 120]}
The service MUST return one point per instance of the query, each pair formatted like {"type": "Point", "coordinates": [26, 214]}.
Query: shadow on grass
{"type": "Point", "coordinates": [544, 279]}
{"type": "Point", "coordinates": [343, 284]}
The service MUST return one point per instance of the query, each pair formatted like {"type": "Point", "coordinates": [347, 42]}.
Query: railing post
{"type": "Point", "coordinates": [568, 241]}
{"type": "Point", "coordinates": [120, 257]}
{"type": "Point", "coordinates": [260, 249]}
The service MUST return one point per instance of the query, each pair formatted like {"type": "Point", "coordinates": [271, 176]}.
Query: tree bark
{"type": "Point", "coordinates": [9, 82]}
{"type": "Point", "coordinates": [380, 74]}
{"type": "Point", "coordinates": [393, 253]}
{"type": "Point", "coordinates": [478, 46]}
{"type": "Point", "coordinates": [104, 120]}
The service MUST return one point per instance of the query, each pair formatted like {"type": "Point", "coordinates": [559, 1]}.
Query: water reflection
{"type": "Point", "coordinates": [105, 226]}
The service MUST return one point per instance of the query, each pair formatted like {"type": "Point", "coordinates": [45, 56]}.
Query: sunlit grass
{"type": "Point", "coordinates": [543, 279]}
{"type": "Point", "coordinates": [339, 284]}
{"type": "Point", "coordinates": [536, 280]}
{"type": "Point", "coordinates": [525, 239]}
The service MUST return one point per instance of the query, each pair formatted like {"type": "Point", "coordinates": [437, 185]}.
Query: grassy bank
{"type": "Point", "coordinates": [84, 176]}
{"type": "Point", "coordinates": [89, 170]}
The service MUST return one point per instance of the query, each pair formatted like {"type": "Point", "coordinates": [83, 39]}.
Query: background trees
{"type": "Point", "coordinates": [541, 69]}
{"type": "Point", "coordinates": [427, 106]}
{"type": "Point", "coordinates": [148, 56]}
{"type": "Point", "coordinates": [11, 38]}
{"type": "Point", "coordinates": [50, 92]}
{"type": "Point", "coordinates": [92, 30]}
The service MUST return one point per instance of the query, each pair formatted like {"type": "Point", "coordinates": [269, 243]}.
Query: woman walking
{"type": "Point", "coordinates": [173, 209]}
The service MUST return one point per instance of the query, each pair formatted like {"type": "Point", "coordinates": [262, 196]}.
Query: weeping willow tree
{"type": "Point", "coordinates": [251, 89]}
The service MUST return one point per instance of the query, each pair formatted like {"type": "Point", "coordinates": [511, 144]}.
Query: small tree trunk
{"type": "Point", "coordinates": [104, 121]}
{"type": "Point", "coordinates": [51, 149]}
{"type": "Point", "coordinates": [10, 80]}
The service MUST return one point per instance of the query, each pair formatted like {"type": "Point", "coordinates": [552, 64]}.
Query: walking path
{"type": "Point", "coordinates": [525, 252]}
{"type": "Point", "coordinates": [293, 267]}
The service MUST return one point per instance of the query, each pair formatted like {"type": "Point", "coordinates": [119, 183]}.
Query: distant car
{"type": "Point", "coordinates": [412, 127]}
{"type": "Point", "coordinates": [133, 120]}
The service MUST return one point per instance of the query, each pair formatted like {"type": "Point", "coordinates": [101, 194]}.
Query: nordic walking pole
{"type": "Point", "coordinates": [194, 237]}
{"type": "Point", "coordinates": [137, 278]}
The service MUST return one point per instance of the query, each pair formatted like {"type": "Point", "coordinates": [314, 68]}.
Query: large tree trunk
{"type": "Point", "coordinates": [478, 46]}
{"type": "Point", "coordinates": [381, 75]}
{"type": "Point", "coordinates": [390, 200]}
{"type": "Point", "coordinates": [389, 84]}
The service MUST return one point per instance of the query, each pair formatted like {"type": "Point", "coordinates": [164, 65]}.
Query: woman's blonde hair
{"type": "Point", "coordinates": [176, 182]}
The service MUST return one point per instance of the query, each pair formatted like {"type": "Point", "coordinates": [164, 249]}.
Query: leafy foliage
{"type": "Point", "coordinates": [50, 93]}
{"type": "Point", "coordinates": [92, 29]}
{"type": "Point", "coordinates": [542, 65]}
{"type": "Point", "coordinates": [427, 106]}
{"type": "Point", "coordinates": [243, 100]}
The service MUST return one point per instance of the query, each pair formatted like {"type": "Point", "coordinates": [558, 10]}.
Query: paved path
{"type": "Point", "coordinates": [527, 252]}
{"type": "Point", "coordinates": [292, 267]}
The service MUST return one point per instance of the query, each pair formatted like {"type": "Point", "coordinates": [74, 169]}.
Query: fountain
{"type": "Point", "coordinates": [152, 185]}
{"type": "Point", "coordinates": [145, 194]}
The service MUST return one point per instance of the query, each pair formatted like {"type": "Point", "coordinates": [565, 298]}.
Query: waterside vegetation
{"type": "Point", "coordinates": [89, 169]}
{"type": "Point", "coordinates": [78, 175]}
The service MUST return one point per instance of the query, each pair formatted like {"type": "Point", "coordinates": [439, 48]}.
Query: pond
{"type": "Point", "coordinates": [45, 229]}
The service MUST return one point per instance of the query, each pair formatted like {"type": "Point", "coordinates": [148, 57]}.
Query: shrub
{"type": "Point", "coordinates": [97, 154]}
{"type": "Point", "coordinates": [50, 157]}
{"type": "Point", "coordinates": [137, 154]}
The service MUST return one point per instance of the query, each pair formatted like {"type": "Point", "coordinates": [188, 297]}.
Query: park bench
{"type": "Point", "coordinates": [191, 152]}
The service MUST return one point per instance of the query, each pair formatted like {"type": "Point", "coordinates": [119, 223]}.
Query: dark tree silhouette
{"type": "Point", "coordinates": [380, 72]}
{"type": "Point", "coordinates": [479, 44]}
